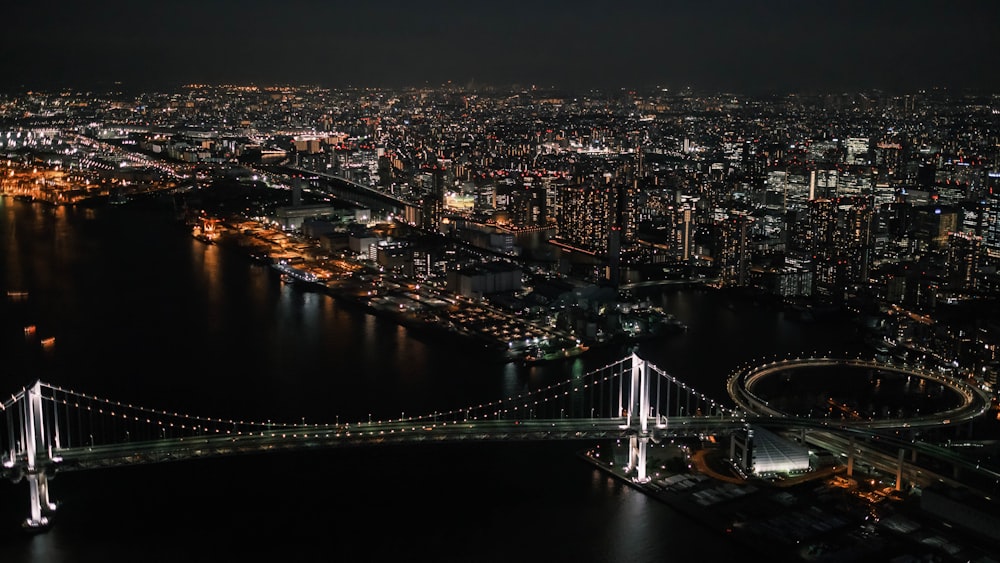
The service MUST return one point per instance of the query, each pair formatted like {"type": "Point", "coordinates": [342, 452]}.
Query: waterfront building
{"type": "Point", "coordinates": [526, 207]}
{"type": "Point", "coordinates": [758, 451]}
{"type": "Point", "coordinates": [733, 255]}
{"type": "Point", "coordinates": [586, 217]}
{"type": "Point", "coordinates": [479, 280]}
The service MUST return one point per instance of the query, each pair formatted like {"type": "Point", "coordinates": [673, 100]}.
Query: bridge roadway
{"type": "Point", "coordinates": [362, 434]}
{"type": "Point", "coordinates": [871, 436]}
{"type": "Point", "coordinates": [359, 194]}
{"type": "Point", "coordinates": [975, 402]}
{"type": "Point", "coordinates": [834, 435]}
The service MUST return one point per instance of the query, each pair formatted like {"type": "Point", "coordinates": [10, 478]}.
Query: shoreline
{"type": "Point", "coordinates": [495, 349]}
{"type": "Point", "coordinates": [715, 523]}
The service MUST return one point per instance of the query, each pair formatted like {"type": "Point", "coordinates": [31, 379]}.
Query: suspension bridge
{"type": "Point", "coordinates": [48, 429]}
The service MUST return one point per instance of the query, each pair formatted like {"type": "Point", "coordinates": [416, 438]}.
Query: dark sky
{"type": "Point", "coordinates": [740, 45]}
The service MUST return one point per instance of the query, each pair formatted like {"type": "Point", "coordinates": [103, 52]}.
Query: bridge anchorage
{"type": "Point", "coordinates": [48, 429]}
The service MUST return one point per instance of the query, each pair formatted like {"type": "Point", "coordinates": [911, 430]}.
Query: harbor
{"type": "Point", "coordinates": [509, 335]}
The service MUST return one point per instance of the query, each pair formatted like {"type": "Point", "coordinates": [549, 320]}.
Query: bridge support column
{"type": "Point", "coordinates": [850, 457]}
{"type": "Point", "coordinates": [899, 469]}
{"type": "Point", "coordinates": [637, 458]}
{"type": "Point", "coordinates": [35, 442]}
{"type": "Point", "coordinates": [639, 404]}
{"type": "Point", "coordinates": [38, 485]}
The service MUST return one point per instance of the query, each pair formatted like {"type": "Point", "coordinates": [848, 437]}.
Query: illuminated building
{"type": "Point", "coordinates": [759, 451]}
{"type": "Point", "coordinates": [395, 257]}
{"type": "Point", "coordinates": [823, 184]}
{"type": "Point", "coordinates": [526, 207]}
{"type": "Point", "coordinates": [308, 145]}
{"type": "Point", "coordinates": [888, 154]}
{"type": "Point", "coordinates": [484, 279]}
{"type": "Point", "coordinates": [734, 250]}
{"type": "Point", "coordinates": [932, 224]}
{"type": "Point", "coordinates": [586, 217]}
{"type": "Point", "coordinates": [857, 150]}
{"type": "Point", "coordinates": [965, 257]}
{"type": "Point", "coordinates": [838, 236]}
{"type": "Point", "coordinates": [991, 221]}
{"type": "Point", "coordinates": [794, 278]}
{"type": "Point", "coordinates": [432, 202]}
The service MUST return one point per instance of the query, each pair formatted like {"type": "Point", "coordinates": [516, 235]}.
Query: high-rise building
{"type": "Point", "coordinates": [991, 222]}
{"type": "Point", "coordinates": [965, 257]}
{"type": "Point", "coordinates": [526, 207]}
{"type": "Point", "coordinates": [586, 216]}
{"type": "Point", "coordinates": [838, 236]}
{"type": "Point", "coordinates": [825, 185]}
{"type": "Point", "coordinates": [734, 255]}
{"type": "Point", "coordinates": [432, 202]}
{"type": "Point", "coordinates": [932, 224]}
{"type": "Point", "coordinates": [857, 150]}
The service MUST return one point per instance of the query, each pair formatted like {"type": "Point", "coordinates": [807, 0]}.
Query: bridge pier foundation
{"type": "Point", "coordinates": [637, 457]}
{"type": "Point", "coordinates": [38, 486]}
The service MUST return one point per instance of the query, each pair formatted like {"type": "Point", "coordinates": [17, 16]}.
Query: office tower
{"type": "Point", "coordinates": [857, 149]}
{"type": "Point", "coordinates": [432, 200]}
{"type": "Point", "coordinates": [991, 222]}
{"type": "Point", "coordinates": [965, 257]}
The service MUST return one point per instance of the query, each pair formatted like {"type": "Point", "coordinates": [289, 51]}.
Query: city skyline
{"type": "Point", "coordinates": [764, 47]}
{"type": "Point", "coordinates": [278, 270]}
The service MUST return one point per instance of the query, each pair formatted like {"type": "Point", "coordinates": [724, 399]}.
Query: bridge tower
{"type": "Point", "coordinates": [637, 418]}
{"type": "Point", "coordinates": [35, 456]}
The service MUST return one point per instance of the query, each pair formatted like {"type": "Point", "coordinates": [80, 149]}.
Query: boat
{"type": "Point", "coordinates": [300, 277]}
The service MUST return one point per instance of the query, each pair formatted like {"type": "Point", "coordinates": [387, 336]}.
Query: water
{"type": "Point", "coordinates": [839, 392]}
{"type": "Point", "coordinates": [145, 314]}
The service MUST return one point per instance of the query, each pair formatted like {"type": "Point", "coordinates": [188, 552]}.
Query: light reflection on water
{"type": "Point", "coordinates": [833, 391]}
{"type": "Point", "coordinates": [168, 322]}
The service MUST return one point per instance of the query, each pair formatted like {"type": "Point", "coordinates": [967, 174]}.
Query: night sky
{"type": "Point", "coordinates": [738, 46]}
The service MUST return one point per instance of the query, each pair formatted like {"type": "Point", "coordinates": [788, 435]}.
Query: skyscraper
{"type": "Point", "coordinates": [965, 256]}
{"type": "Point", "coordinates": [838, 236]}
{"type": "Point", "coordinates": [734, 249]}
